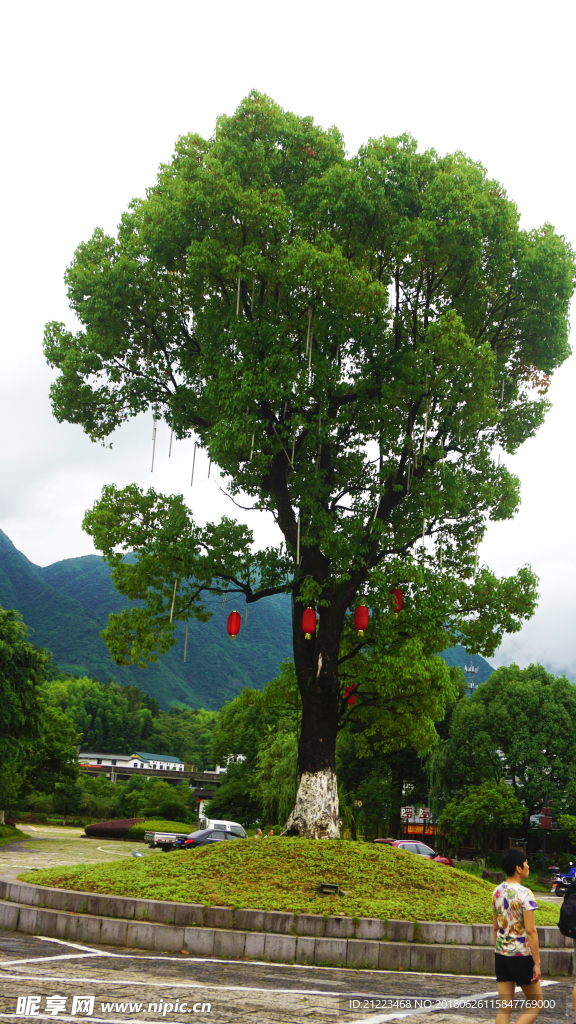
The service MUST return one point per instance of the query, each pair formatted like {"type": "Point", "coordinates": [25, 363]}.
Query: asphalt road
{"type": "Point", "coordinates": [132, 985]}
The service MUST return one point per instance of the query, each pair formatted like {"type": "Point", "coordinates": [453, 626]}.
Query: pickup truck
{"type": "Point", "coordinates": [174, 840]}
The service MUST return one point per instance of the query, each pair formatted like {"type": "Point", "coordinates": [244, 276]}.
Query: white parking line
{"type": "Point", "coordinates": [49, 959]}
{"type": "Point", "coordinates": [217, 960]}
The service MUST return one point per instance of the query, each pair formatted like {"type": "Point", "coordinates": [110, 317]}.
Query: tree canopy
{"type": "Point", "coordinates": [351, 339]}
{"type": "Point", "coordinates": [36, 742]}
{"type": "Point", "coordinates": [519, 725]}
{"type": "Point", "coordinates": [480, 812]}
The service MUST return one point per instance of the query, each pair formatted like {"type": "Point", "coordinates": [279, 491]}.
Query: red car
{"type": "Point", "coordinates": [415, 846]}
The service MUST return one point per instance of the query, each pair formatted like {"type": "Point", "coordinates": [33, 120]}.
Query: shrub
{"type": "Point", "coordinates": [117, 829]}
{"type": "Point", "coordinates": [159, 825]}
{"type": "Point", "coordinates": [172, 810]}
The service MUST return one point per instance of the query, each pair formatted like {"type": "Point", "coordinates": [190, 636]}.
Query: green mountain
{"type": "Point", "coordinates": [458, 656]}
{"type": "Point", "coordinates": [67, 604]}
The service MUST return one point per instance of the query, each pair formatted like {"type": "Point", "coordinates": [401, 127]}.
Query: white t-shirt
{"type": "Point", "coordinates": [510, 900]}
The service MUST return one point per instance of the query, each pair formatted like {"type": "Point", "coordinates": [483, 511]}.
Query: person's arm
{"type": "Point", "coordinates": [495, 921]}
{"type": "Point", "coordinates": [532, 934]}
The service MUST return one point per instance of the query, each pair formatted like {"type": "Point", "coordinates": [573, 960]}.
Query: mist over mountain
{"type": "Point", "coordinates": [66, 605]}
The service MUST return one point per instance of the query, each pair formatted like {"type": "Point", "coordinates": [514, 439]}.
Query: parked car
{"type": "Point", "coordinates": [207, 836]}
{"type": "Point", "coordinates": [415, 846]}
{"type": "Point", "coordinates": [175, 840]}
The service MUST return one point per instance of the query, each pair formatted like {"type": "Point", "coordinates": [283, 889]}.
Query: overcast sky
{"type": "Point", "coordinates": [94, 97]}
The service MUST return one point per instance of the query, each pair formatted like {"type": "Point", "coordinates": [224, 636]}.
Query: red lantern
{"type": "Point", "coordinates": [361, 616]}
{"type": "Point", "coordinates": [349, 695]}
{"type": "Point", "coordinates": [396, 600]}
{"type": "Point", "coordinates": [309, 623]}
{"type": "Point", "coordinates": [234, 623]}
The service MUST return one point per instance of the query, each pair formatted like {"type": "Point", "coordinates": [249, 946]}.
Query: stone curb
{"type": "Point", "coordinates": [246, 920]}
{"type": "Point", "coordinates": [275, 946]}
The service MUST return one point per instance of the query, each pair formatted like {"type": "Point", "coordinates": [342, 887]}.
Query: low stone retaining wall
{"type": "Point", "coordinates": [164, 926]}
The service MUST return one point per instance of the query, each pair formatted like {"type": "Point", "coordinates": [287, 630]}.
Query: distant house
{"type": "Point", "coordinates": [140, 759]}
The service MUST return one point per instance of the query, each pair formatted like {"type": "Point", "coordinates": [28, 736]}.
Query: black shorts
{"type": "Point", "coordinates": [514, 968]}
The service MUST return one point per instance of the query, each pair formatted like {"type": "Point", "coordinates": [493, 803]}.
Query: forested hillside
{"type": "Point", "coordinates": [67, 605]}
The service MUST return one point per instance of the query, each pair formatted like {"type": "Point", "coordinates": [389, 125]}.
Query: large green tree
{"type": "Point", "coordinates": [480, 812]}
{"type": "Point", "coordinates": [350, 339]}
{"type": "Point", "coordinates": [36, 742]}
{"type": "Point", "coordinates": [519, 725]}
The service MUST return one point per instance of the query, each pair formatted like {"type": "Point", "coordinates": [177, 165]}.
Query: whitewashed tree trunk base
{"type": "Point", "coordinates": [315, 815]}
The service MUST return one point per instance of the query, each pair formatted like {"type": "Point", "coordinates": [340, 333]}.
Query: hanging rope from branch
{"type": "Point", "coordinates": [171, 436]}
{"type": "Point", "coordinates": [153, 439]}
{"type": "Point", "coordinates": [173, 599]}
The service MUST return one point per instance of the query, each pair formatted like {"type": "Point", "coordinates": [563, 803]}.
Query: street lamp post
{"type": "Point", "coordinates": [545, 822]}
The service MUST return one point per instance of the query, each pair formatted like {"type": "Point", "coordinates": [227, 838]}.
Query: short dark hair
{"type": "Point", "coordinates": [511, 860]}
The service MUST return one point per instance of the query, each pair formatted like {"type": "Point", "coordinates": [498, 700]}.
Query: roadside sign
{"type": "Point", "coordinates": [407, 812]}
{"type": "Point", "coordinates": [424, 812]}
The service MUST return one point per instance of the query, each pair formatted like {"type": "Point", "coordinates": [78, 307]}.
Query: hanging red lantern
{"type": "Point", "coordinates": [349, 695]}
{"type": "Point", "coordinates": [309, 623]}
{"type": "Point", "coordinates": [234, 623]}
{"type": "Point", "coordinates": [361, 616]}
{"type": "Point", "coordinates": [396, 600]}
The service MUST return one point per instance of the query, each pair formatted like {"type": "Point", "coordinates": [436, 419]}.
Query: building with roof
{"type": "Point", "coordinates": [139, 759]}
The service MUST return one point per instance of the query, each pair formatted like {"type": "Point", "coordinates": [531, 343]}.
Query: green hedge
{"type": "Point", "coordinates": [154, 825]}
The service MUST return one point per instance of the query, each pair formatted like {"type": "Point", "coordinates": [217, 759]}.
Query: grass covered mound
{"type": "Point", "coordinates": [10, 834]}
{"type": "Point", "coordinates": [283, 874]}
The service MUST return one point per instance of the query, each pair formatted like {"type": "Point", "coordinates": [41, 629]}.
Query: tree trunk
{"type": "Point", "coordinates": [2, 819]}
{"type": "Point", "coordinates": [315, 815]}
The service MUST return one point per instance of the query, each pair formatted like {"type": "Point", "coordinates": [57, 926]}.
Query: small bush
{"type": "Point", "coordinates": [172, 810]}
{"type": "Point", "coordinates": [159, 825]}
{"type": "Point", "coordinates": [117, 829]}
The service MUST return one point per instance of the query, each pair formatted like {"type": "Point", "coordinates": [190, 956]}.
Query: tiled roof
{"type": "Point", "coordinates": [156, 757]}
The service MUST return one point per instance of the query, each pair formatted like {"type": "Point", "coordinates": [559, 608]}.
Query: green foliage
{"type": "Point", "coordinates": [9, 834]}
{"type": "Point", "coordinates": [158, 825]}
{"type": "Point", "coordinates": [109, 717]}
{"type": "Point", "coordinates": [479, 812]}
{"type": "Point", "coordinates": [283, 874]}
{"type": "Point", "coordinates": [255, 737]}
{"type": "Point", "coordinates": [520, 724]}
{"type": "Point", "coordinates": [349, 338]}
{"type": "Point", "coordinates": [185, 733]}
{"type": "Point", "coordinates": [35, 742]}
{"type": "Point", "coordinates": [121, 719]}
{"type": "Point", "coordinates": [567, 823]}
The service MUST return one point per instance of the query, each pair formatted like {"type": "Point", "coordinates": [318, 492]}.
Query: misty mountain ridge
{"type": "Point", "coordinates": [66, 606]}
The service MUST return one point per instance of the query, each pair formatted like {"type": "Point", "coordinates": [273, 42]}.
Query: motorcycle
{"type": "Point", "coordinates": [562, 882]}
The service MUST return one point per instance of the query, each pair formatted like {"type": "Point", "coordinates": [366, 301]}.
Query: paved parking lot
{"type": "Point", "coordinates": [131, 985]}
{"type": "Point", "coordinates": [46, 975]}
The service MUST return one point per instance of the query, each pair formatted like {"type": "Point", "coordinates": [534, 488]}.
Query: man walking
{"type": "Point", "coordinates": [517, 953]}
